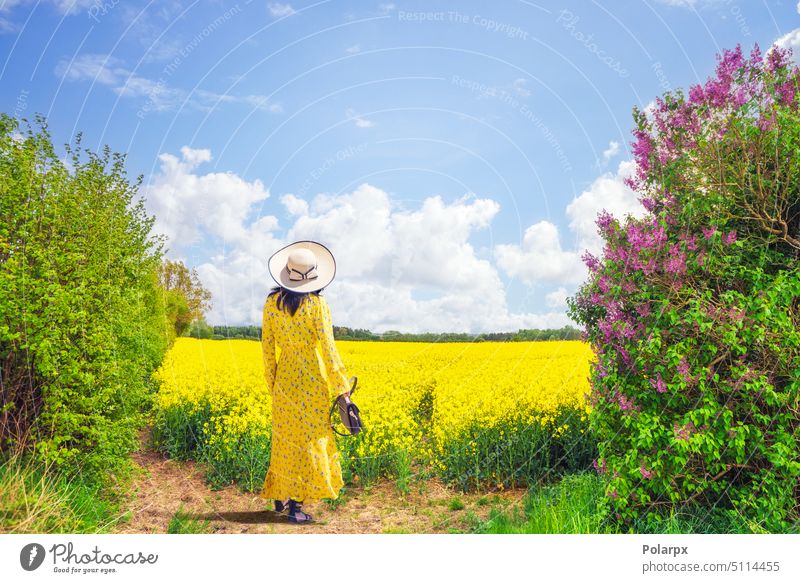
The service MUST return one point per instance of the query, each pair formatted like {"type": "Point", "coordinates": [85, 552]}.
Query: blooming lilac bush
{"type": "Point", "coordinates": [694, 310]}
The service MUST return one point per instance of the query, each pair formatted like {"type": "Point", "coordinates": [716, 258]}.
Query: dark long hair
{"type": "Point", "coordinates": [290, 300]}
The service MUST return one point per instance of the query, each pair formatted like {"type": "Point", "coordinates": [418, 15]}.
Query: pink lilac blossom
{"type": "Point", "coordinates": [683, 433]}
{"type": "Point", "coordinates": [786, 91]}
{"type": "Point", "coordinates": [605, 221]}
{"type": "Point", "coordinates": [683, 369]}
{"type": "Point", "coordinates": [701, 258]}
{"type": "Point", "coordinates": [626, 358]}
{"type": "Point", "coordinates": [676, 264]}
{"type": "Point", "coordinates": [600, 468]}
{"type": "Point", "coordinates": [592, 262]}
{"type": "Point", "coordinates": [658, 384]}
{"type": "Point", "coordinates": [624, 403]}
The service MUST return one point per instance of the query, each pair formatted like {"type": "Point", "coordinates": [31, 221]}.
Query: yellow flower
{"type": "Point", "coordinates": [407, 390]}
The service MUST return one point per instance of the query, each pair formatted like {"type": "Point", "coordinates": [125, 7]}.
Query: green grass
{"type": "Point", "coordinates": [182, 523]}
{"type": "Point", "coordinates": [568, 507]}
{"type": "Point", "coordinates": [344, 495]}
{"type": "Point", "coordinates": [456, 504]}
{"type": "Point", "coordinates": [35, 498]}
{"type": "Point", "coordinates": [571, 505]}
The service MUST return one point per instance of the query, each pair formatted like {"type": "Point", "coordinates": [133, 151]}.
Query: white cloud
{"type": "Point", "coordinates": [294, 205]}
{"type": "Point", "coordinates": [184, 201]}
{"type": "Point", "coordinates": [63, 7]}
{"type": "Point", "coordinates": [278, 10]}
{"type": "Point", "coordinates": [609, 192]}
{"type": "Point", "coordinates": [360, 121]}
{"type": "Point", "coordinates": [520, 86]}
{"type": "Point", "coordinates": [397, 268]}
{"type": "Point", "coordinates": [557, 298]}
{"type": "Point", "coordinates": [157, 95]}
{"type": "Point", "coordinates": [790, 40]}
{"type": "Point", "coordinates": [99, 68]}
{"type": "Point", "coordinates": [610, 152]}
{"type": "Point", "coordinates": [7, 26]}
{"type": "Point", "coordinates": [353, 49]}
{"type": "Point", "coordinates": [540, 258]}
{"type": "Point", "coordinates": [798, 7]}
{"type": "Point", "coordinates": [386, 7]}
{"type": "Point", "coordinates": [260, 102]}
{"type": "Point", "coordinates": [385, 256]}
{"type": "Point", "coordinates": [71, 7]}
{"type": "Point", "coordinates": [66, 7]}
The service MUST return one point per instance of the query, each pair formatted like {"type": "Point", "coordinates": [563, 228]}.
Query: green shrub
{"type": "Point", "coordinates": [83, 320]}
{"type": "Point", "coordinates": [694, 310]}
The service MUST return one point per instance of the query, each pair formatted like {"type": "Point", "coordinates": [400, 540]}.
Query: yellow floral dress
{"type": "Point", "coordinates": [304, 376]}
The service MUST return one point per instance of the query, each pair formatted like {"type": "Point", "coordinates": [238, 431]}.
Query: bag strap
{"type": "Point", "coordinates": [353, 382]}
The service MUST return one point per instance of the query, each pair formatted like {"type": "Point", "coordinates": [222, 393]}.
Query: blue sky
{"type": "Point", "coordinates": [452, 155]}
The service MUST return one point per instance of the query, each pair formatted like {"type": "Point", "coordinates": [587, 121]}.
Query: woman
{"type": "Point", "coordinates": [304, 462]}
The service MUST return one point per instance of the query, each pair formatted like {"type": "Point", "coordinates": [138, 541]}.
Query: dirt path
{"type": "Point", "coordinates": [167, 485]}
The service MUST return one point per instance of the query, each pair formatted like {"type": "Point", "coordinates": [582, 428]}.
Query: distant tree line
{"type": "Point", "coordinates": [200, 329]}
{"type": "Point", "coordinates": [522, 335]}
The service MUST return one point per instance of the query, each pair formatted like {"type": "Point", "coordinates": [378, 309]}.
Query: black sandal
{"type": "Point", "coordinates": [280, 506]}
{"type": "Point", "coordinates": [294, 511]}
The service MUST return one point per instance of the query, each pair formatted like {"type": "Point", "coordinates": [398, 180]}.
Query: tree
{"type": "Point", "coordinates": [694, 310]}
{"type": "Point", "coordinates": [186, 298]}
{"type": "Point", "coordinates": [200, 329]}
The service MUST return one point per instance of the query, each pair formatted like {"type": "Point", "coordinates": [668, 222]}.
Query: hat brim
{"type": "Point", "coordinates": [326, 267]}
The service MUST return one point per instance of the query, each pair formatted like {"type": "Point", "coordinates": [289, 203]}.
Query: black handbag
{"type": "Point", "coordinates": [348, 412]}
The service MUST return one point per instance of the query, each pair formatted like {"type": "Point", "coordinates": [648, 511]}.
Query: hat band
{"type": "Point", "coordinates": [296, 275]}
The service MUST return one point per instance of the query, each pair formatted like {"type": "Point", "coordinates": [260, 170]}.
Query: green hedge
{"type": "Point", "coordinates": [83, 319]}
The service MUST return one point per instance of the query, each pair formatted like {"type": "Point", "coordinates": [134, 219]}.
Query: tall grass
{"type": "Point", "coordinates": [183, 523]}
{"type": "Point", "coordinates": [37, 498]}
{"type": "Point", "coordinates": [568, 507]}
{"type": "Point", "coordinates": [571, 506]}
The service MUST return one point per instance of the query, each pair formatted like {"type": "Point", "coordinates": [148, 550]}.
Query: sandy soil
{"type": "Point", "coordinates": [166, 485]}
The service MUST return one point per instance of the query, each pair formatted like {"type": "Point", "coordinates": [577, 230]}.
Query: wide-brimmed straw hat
{"type": "Point", "coordinates": [302, 266]}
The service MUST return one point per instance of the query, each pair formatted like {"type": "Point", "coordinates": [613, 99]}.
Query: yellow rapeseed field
{"type": "Point", "coordinates": [404, 388]}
